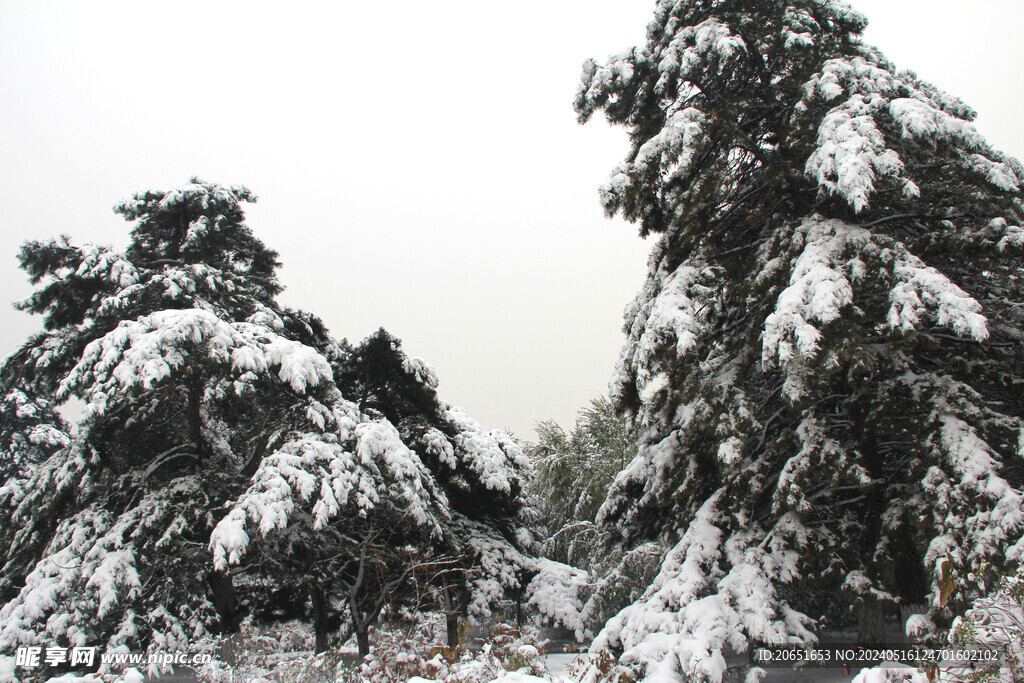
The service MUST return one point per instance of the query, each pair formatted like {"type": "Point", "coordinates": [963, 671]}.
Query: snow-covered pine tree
{"type": "Point", "coordinates": [405, 471]}
{"type": "Point", "coordinates": [189, 372]}
{"type": "Point", "coordinates": [824, 365]}
{"type": "Point", "coordinates": [213, 424]}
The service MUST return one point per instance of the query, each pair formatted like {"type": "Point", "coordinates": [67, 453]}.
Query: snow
{"type": "Point", "coordinates": [87, 571]}
{"type": "Point", "coordinates": [922, 288]}
{"type": "Point", "coordinates": [709, 596]}
{"type": "Point", "coordinates": [985, 507]}
{"type": "Point", "coordinates": [131, 675]}
{"type": "Point", "coordinates": [650, 468]}
{"type": "Point", "coordinates": [672, 150]}
{"type": "Point", "coordinates": [498, 564]}
{"type": "Point", "coordinates": [495, 457]}
{"type": "Point", "coordinates": [822, 286]}
{"type": "Point", "coordinates": [819, 456]}
{"type": "Point", "coordinates": [919, 625]}
{"type": "Point", "coordinates": [919, 119]}
{"type": "Point", "coordinates": [799, 28]}
{"type": "Point", "coordinates": [996, 620]}
{"type": "Point", "coordinates": [851, 153]}
{"type": "Point", "coordinates": [438, 445]}
{"type": "Point", "coordinates": [891, 672]}
{"type": "Point", "coordinates": [139, 354]}
{"type": "Point", "coordinates": [100, 263]}
{"type": "Point", "coordinates": [420, 369]}
{"type": "Point", "coordinates": [818, 290]}
{"type": "Point", "coordinates": [671, 311]}
{"type": "Point", "coordinates": [319, 474]}
{"type": "Point", "coordinates": [379, 442]}
{"type": "Point", "coordinates": [555, 592]}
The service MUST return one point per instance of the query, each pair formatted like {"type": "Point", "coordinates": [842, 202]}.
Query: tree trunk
{"type": "Point", "coordinates": [363, 639]}
{"type": "Point", "coordinates": [452, 622]}
{"type": "Point", "coordinates": [224, 600]}
{"type": "Point", "coordinates": [319, 608]}
{"type": "Point", "coordinates": [195, 414]}
{"type": "Point", "coordinates": [451, 616]}
{"type": "Point", "coordinates": [870, 623]}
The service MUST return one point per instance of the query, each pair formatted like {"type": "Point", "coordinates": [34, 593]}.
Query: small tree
{"type": "Point", "coordinates": [399, 465]}
{"type": "Point", "coordinates": [574, 473]}
{"type": "Point", "coordinates": [995, 621]}
{"type": "Point", "coordinates": [823, 366]}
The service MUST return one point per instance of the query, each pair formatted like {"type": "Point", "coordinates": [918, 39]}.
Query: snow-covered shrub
{"type": "Point", "coordinates": [602, 667]}
{"type": "Point", "coordinates": [892, 673]}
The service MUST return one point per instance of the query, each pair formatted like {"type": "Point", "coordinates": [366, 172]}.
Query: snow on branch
{"type": "Point", "coordinates": [555, 592]}
{"type": "Point", "coordinates": [351, 472]}
{"type": "Point", "coordinates": [493, 455]}
{"type": "Point", "coordinates": [713, 592]}
{"type": "Point", "coordinates": [139, 354]}
{"type": "Point", "coordinates": [831, 261]}
{"type": "Point", "coordinates": [852, 153]}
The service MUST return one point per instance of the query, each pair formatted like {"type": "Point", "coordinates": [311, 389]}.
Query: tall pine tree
{"type": "Point", "coordinates": [824, 365]}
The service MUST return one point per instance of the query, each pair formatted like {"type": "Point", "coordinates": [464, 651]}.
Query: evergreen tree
{"type": "Point", "coordinates": [405, 470]}
{"type": "Point", "coordinates": [189, 371]}
{"type": "Point", "coordinates": [217, 421]}
{"type": "Point", "coordinates": [823, 367]}
{"type": "Point", "coordinates": [31, 430]}
{"type": "Point", "coordinates": [574, 472]}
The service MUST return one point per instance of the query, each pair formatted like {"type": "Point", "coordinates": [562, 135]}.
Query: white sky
{"type": "Point", "coordinates": [418, 164]}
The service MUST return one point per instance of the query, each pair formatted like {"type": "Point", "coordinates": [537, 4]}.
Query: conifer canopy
{"type": "Point", "coordinates": [824, 364]}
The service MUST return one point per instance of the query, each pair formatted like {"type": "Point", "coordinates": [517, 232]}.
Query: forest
{"type": "Point", "coordinates": [813, 438]}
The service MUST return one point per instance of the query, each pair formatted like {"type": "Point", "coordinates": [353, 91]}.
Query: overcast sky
{"type": "Point", "coordinates": [418, 164]}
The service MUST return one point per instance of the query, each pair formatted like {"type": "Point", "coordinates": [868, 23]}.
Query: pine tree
{"type": "Point", "coordinates": [188, 370]}
{"type": "Point", "coordinates": [406, 470]}
{"type": "Point", "coordinates": [574, 472]}
{"type": "Point", "coordinates": [823, 368]}
{"type": "Point", "coordinates": [31, 430]}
